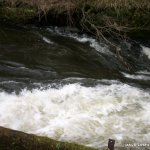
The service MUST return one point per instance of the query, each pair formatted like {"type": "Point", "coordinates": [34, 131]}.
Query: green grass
{"type": "Point", "coordinates": [15, 140]}
{"type": "Point", "coordinates": [17, 14]}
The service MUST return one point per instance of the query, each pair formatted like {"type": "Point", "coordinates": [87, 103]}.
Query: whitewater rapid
{"type": "Point", "coordinates": [85, 115]}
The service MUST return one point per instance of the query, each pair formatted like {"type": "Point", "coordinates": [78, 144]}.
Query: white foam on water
{"type": "Point", "coordinates": [137, 77]}
{"type": "Point", "coordinates": [102, 48]}
{"type": "Point", "coordinates": [145, 72]}
{"type": "Point", "coordinates": [146, 51]}
{"type": "Point", "coordinates": [47, 40]}
{"type": "Point", "coordinates": [86, 115]}
{"type": "Point", "coordinates": [93, 43]}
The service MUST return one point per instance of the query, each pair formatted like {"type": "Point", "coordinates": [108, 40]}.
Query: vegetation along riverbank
{"type": "Point", "coordinates": [116, 18]}
{"type": "Point", "coordinates": [15, 140]}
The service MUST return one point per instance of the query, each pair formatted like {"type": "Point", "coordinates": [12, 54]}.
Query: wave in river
{"type": "Point", "coordinates": [141, 76]}
{"type": "Point", "coordinates": [146, 51]}
{"type": "Point", "coordinates": [100, 47]}
{"type": "Point", "coordinates": [86, 115]}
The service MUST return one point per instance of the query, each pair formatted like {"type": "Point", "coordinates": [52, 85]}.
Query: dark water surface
{"type": "Point", "coordinates": [32, 55]}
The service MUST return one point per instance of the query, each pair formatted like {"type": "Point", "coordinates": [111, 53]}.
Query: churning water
{"type": "Point", "coordinates": [72, 88]}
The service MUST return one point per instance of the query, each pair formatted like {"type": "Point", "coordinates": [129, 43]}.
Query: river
{"type": "Point", "coordinates": [70, 87]}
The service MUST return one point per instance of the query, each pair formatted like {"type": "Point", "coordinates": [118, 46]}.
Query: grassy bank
{"type": "Point", "coordinates": [100, 17]}
{"type": "Point", "coordinates": [15, 140]}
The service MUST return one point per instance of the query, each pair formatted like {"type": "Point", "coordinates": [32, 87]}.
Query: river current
{"type": "Point", "coordinates": [71, 87]}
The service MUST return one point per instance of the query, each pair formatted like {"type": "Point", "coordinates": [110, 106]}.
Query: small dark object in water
{"type": "Point", "coordinates": [111, 144]}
